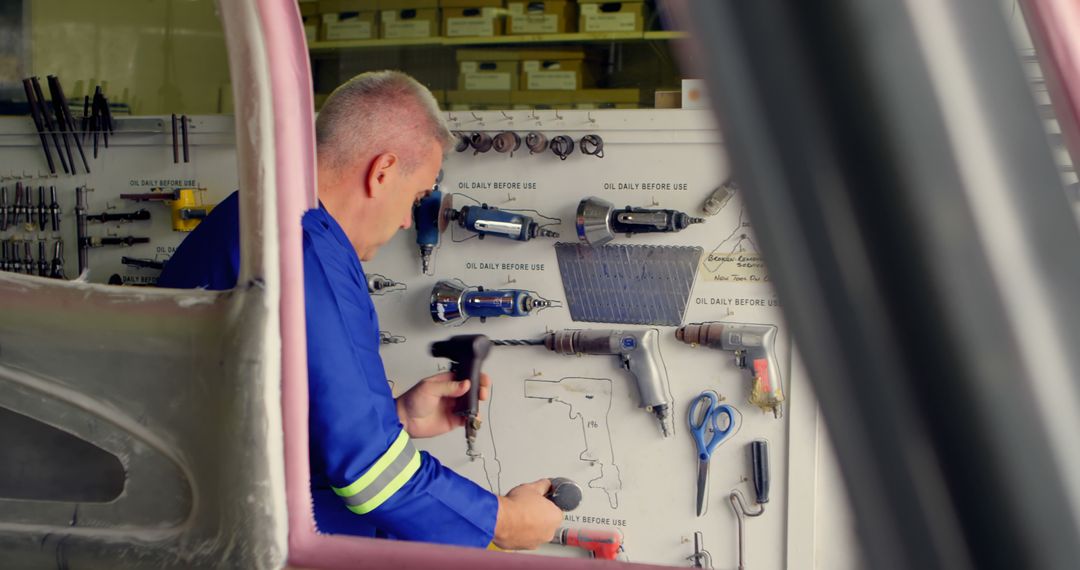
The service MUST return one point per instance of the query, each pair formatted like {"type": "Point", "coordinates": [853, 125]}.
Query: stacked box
{"type": "Point", "coordinates": [597, 16]}
{"type": "Point", "coordinates": [488, 76]}
{"type": "Point", "coordinates": [408, 19]}
{"type": "Point", "coordinates": [472, 18]}
{"type": "Point", "coordinates": [488, 70]}
{"type": "Point", "coordinates": [555, 70]}
{"type": "Point", "coordinates": [311, 28]}
{"type": "Point", "coordinates": [347, 20]}
{"type": "Point", "coordinates": [548, 17]}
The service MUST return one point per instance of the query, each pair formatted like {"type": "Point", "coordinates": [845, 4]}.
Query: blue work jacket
{"type": "Point", "coordinates": [357, 441]}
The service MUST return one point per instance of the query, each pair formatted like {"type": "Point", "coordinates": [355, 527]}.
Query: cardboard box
{"type": "Point", "coordinates": [555, 74]}
{"type": "Point", "coordinates": [488, 76]}
{"type": "Point", "coordinates": [311, 28]}
{"type": "Point", "coordinates": [409, 23]}
{"type": "Point", "coordinates": [667, 100]}
{"type": "Point", "coordinates": [477, 100]}
{"type": "Point", "coordinates": [349, 26]}
{"type": "Point", "coordinates": [612, 17]}
{"type": "Point", "coordinates": [548, 17]}
{"type": "Point", "coordinates": [475, 21]}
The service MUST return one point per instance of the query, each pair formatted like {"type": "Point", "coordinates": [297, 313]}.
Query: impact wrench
{"type": "Point", "coordinates": [466, 353]}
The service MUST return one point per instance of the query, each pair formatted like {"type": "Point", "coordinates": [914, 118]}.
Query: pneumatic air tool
{"type": "Point", "coordinates": [598, 221]}
{"type": "Point", "coordinates": [754, 347]}
{"type": "Point", "coordinates": [453, 302]}
{"type": "Point", "coordinates": [434, 213]}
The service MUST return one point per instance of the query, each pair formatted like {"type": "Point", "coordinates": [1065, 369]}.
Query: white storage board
{"type": "Point", "coordinates": [591, 430]}
{"type": "Point", "coordinates": [139, 157]}
{"type": "Point", "coordinates": [633, 479]}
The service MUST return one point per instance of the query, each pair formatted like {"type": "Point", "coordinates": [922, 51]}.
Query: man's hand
{"type": "Point", "coordinates": [427, 409]}
{"type": "Point", "coordinates": [526, 517]}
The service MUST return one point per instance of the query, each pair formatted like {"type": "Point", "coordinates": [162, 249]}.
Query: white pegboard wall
{"type": "Point", "coordinates": [634, 480]}
{"type": "Point", "coordinates": [139, 157]}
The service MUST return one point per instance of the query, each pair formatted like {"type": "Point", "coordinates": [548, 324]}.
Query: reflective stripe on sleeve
{"type": "Point", "coordinates": [385, 477]}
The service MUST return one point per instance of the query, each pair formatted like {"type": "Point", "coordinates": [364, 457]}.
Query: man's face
{"type": "Point", "coordinates": [396, 208]}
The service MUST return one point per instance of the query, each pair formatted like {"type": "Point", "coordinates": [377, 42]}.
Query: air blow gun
{"type": "Point", "coordinates": [755, 350]}
{"type": "Point", "coordinates": [638, 351]}
{"type": "Point", "coordinates": [466, 353]}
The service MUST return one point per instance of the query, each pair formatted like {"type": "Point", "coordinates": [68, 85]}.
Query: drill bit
{"type": "Point", "coordinates": [28, 258]}
{"type": "Point", "coordinates": [57, 270]}
{"type": "Point", "coordinates": [518, 342]}
{"type": "Point", "coordinates": [43, 260]}
{"type": "Point", "coordinates": [377, 283]}
{"type": "Point", "coordinates": [42, 209]}
{"type": "Point", "coordinates": [15, 213]}
{"type": "Point", "coordinates": [54, 209]}
{"type": "Point", "coordinates": [3, 209]}
{"type": "Point", "coordinates": [543, 232]}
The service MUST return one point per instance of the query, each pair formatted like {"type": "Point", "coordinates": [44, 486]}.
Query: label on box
{"type": "Point", "coordinates": [559, 80]}
{"type": "Point", "coordinates": [477, 26]}
{"type": "Point", "coordinates": [394, 28]}
{"type": "Point", "coordinates": [534, 65]}
{"type": "Point", "coordinates": [311, 31]}
{"type": "Point", "coordinates": [486, 81]}
{"type": "Point", "coordinates": [593, 20]}
{"type": "Point", "coordinates": [349, 30]}
{"type": "Point", "coordinates": [534, 24]}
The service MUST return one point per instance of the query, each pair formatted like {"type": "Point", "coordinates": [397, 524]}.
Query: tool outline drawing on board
{"type": "Point", "coordinates": [586, 408]}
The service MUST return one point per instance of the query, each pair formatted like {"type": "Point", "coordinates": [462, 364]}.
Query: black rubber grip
{"type": "Point", "coordinates": [565, 493]}
{"type": "Point", "coordinates": [759, 456]}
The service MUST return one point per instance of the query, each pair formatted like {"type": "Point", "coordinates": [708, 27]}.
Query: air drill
{"type": "Point", "coordinates": [754, 346]}
{"type": "Point", "coordinates": [638, 352]}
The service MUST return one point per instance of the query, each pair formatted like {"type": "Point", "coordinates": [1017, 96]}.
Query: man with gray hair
{"type": "Point", "coordinates": [381, 144]}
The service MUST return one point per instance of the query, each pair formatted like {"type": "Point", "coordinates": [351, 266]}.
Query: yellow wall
{"type": "Point", "coordinates": [159, 56]}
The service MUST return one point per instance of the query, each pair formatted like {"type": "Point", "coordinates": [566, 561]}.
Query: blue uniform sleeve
{"type": "Point", "coordinates": [209, 257]}
{"type": "Point", "coordinates": [353, 417]}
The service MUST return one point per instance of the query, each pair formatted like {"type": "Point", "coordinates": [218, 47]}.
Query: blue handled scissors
{"type": "Point", "coordinates": [703, 417]}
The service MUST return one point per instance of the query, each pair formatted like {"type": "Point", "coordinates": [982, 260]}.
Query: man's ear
{"type": "Point", "coordinates": [383, 169]}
